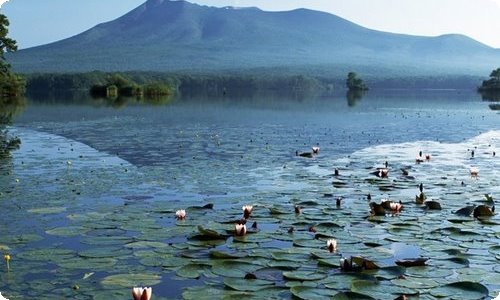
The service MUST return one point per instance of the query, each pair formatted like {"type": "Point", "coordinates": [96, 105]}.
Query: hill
{"type": "Point", "coordinates": [178, 36]}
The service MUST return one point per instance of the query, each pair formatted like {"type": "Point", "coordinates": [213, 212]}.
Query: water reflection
{"type": "Point", "coordinates": [9, 107]}
{"type": "Point", "coordinates": [121, 102]}
{"type": "Point", "coordinates": [490, 95]}
{"type": "Point", "coordinates": [353, 97]}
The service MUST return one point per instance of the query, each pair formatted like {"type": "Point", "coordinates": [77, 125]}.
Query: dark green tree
{"type": "Point", "coordinates": [354, 83]}
{"type": "Point", "coordinates": [6, 44]}
{"type": "Point", "coordinates": [490, 89]}
{"type": "Point", "coordinates": [10, 83]}
{"type": "Point", "coordinates": [495, 74]}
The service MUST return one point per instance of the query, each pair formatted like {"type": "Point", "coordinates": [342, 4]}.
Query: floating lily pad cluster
{"type": "Point", "coordinates": [96, 227]}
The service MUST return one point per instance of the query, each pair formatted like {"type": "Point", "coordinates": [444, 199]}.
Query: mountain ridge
{"type": "Point", "coordinates": [163, 35]}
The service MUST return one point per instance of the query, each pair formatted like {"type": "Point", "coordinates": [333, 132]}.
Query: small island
{"type": "Point", "coordinates": [493, 83]}
{"type": "Point", "coordinates": [490, 88]}
{"type": "Point", "coordinates": [354, 83]}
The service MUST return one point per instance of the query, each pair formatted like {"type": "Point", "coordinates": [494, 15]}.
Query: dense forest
{"type": "Point", "coordinates": [234, 84]}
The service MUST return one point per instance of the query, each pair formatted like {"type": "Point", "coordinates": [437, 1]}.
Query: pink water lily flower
{"type": "Point", "coordinates": [331, 244]}
{"type": "Point", "coordinates": [247, 210]}
{"type": "Point", "coordinates": [240, 229]}
{"type": "Point", "coordinates": [142, 293]}
{"type": "Point", "coordinates": [396, 207]}
{"type": "Point", "coordinates": [180, 214]}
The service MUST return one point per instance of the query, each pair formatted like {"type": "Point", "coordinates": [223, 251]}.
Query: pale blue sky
{"type": "Point", "coordinates": [35, 22]}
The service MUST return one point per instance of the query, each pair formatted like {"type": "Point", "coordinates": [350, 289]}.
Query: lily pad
{"type": "Point", "coordinates": [247, 285]}
{"type": "Point", "coordinates": [131, 280]}
{"type": "Point", "coordinates": [304, 275]}
{"type": "Point", "coordinates": [305, 292]}
{"type": "Point", "coordinates": [461, 290]}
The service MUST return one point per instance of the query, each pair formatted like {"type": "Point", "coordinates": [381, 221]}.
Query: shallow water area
{"type": "Point", "coordinates": [92, 195]}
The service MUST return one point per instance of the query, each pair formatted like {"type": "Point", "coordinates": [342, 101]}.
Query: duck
{"type": "Point", "coordinates": [483, 211]}
{"type": "Point", "coordinates": [377, 209]}
{"type": "Point", "coordinates": [419, 199]}
{"type": "Point", "coordinates": [315, 149]}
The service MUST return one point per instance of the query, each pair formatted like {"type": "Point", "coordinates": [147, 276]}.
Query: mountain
{"type": "Point", "coordinates": [162, 35]}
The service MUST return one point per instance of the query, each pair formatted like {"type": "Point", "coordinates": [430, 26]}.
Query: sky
{"type": "Point", "coordinates": [36, 22]}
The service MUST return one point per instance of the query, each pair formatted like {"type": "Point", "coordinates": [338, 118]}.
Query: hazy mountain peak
{"type": "Point", "coordinates": [167, 35]}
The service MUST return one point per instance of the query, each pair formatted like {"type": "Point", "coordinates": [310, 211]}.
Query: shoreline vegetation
{"type": "Point", "coordinates": [154, 84]}
{"type": "Point", "coordinates": [12, 88]}
{"type": "Point", "coordinates": [490, 88]}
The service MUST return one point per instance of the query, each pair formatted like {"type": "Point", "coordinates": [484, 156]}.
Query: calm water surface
{"type": "Point", "coordinates": [93, 191]}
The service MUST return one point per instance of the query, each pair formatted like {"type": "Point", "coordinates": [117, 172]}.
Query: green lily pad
{"type": "Point", "coordinates": [461, 290]}
{"type": "Point", "coordinates": [191, 271]}
{"type": "Point", "coordinates": [247, 285]}
{"type": "Point", "coordinates": [131, 280]}
{"type": "Point", "coordinates": [67, 231]}
{"type": "Point", "coordinates": [305, 292]}
{"type": "Point", "coordinates": [304, 275]}
{"type": "Point", "coordinates": [350, 296]}
{"type": "Point", "coordinates": [47, 210]}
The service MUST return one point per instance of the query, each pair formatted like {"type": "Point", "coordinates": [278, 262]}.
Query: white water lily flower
{"type": "Point", "coordinates": [383, 173]}
{"type": "Point", "coordinates": [180, 214]}
{"type": "Point", "coordinates": [247, 210]}
{"type": "Point", "coordinates": [240, 229]}
{"type": "Point", "coordinates": [474, 171]}
{"type": "Point", "coordinates": [2, 297]}
{"type": "Point", "coordinates": [141, 293]}
{"type": "Point", "coordinates": [331, 244]}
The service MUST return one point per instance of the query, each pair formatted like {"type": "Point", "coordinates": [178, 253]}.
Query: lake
{"type": "Point", "coordinates": [89, 200]}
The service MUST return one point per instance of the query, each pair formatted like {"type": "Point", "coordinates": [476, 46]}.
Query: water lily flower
{"type": "Point", "coordinates": [396, 207]}
{"type": "Point", "coordinates": [331, 244]}
{"type": "Point", "coordinates": [180, 214]}
{"type": "Point", "coordinates": [383, 173]}
{"type": "Point", "coordinates": [315, 150]}
{"type": "Point", "coordinates": [474, 172]}
{"type": "Point", "coordinates": [240, 229]}
{"type": "Point", "coordinates": [247, 210]}
{"type": "Point", "coordinates": [7, 261]}
{"type": "Point", "coordinates": [142, 293]}
{"type": "Point", "coordinates": [2, 297]}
